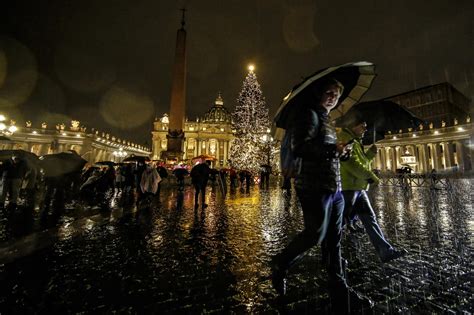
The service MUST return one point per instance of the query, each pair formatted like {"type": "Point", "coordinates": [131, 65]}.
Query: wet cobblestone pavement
{"type": "Point", "coordinates": [173, 259]}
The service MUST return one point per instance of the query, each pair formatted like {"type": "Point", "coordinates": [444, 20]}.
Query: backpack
{"type": "Point", "coordinates": [290, 164]}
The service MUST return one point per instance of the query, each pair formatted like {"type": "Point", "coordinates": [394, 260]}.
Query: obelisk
{"type": "Point", "coordinates": [175, 134]}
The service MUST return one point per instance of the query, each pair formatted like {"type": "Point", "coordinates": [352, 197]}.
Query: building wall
{"type": "Point", "coordinates": [449, 148]}
{"type": "Point", "coordinates": [200, 138]}
{"type": "Point", "coordinates": [93, 147]}
{"type": "Point", "coordinates": [435, 103]}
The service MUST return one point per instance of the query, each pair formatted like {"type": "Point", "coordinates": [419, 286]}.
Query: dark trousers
{"type": "Point", "coordinates": [198, 188]}
{"type": "Point", "coordinates": [358, 203]}
{"type": "Point", "coordinates": [322, 214]}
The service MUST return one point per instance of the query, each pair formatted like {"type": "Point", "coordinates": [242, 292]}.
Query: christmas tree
{"type": "Point", "coordinates": [250, 147]}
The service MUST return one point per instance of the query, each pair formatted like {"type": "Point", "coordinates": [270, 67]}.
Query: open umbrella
{"type": "Point", "coordinates": [380, 116]}
{"type": "Point", "coordinates": [356, 77]}
{"type": "Point", "coordinates": [62, 163]}
{"type": "Point", "coordinates": [203, 157]}
{"type": "Point", "coordinates": [29, 157]}
{"type": "Point", "coordinates": [137, 158]}
{"type": "Point", "coordinates": [32, 161]}
{"type": "Point", "coordinates": [180, 172]}
{"type": "Point", "coordinates": [105, 163]}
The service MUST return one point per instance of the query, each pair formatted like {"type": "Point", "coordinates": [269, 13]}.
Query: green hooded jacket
{"type": "Point", "coordinates": [356, 171]}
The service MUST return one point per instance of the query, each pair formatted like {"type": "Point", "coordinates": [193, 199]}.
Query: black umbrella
{"type": "Point", "coordinates": [29, 157]}
{"type": "Point", "coordinates": [62, 163]}
{"type": "Point", "coordinates": [381, 116]}
{"type": "Point", "coordinates": [356, 77]}
{"type": "Point", "coordinates": [137, 158]}
{"type": "Point", "coordinates": [180, 172]}
{"type": "Point", "coordinates": [107, 163]}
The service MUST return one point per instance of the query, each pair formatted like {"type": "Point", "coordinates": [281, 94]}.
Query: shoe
{"type": "Point", "coordinates": [393, 254]}
{"type": "Point", "coordinates": [345, 300]}
{"type": "Point", "coordinates": [358, 301]}
{"type": "Point", "coordinates": [278, 278]}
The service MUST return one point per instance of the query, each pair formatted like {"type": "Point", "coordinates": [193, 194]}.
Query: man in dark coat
{"type": "Point", "coordinates": [199, 177]}
{"type": "Point", "coordinates": [318, 187]}
{"type": "Point", "coordinates": [163, 174]}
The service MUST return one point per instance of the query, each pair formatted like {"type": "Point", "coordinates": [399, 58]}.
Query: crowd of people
{"type": "Point", "coordinates": [95, 185]}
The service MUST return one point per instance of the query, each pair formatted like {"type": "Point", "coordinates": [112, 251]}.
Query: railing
{"type": "Point", "coordinates": [437, 181]}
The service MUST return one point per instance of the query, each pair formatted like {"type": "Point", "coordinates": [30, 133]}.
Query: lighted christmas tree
{"type": "Point", "coordinates": [251, 124]}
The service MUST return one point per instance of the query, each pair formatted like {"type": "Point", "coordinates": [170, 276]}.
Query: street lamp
{"type": "Point", "coordinates": [120, 154]}
{"type": "Point", "coordinates": [7, 130]}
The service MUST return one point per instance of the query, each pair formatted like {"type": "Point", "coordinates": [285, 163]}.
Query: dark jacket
{"type": "Point", "coordinates": [14, 170]}
{"type": "Point", "coordinates": [200, 174]}
{"type": "Point", "coordinates": [313, 139]}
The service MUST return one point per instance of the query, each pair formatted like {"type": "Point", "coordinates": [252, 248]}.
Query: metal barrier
{"type": "Point", "coordinates": [437, 181]}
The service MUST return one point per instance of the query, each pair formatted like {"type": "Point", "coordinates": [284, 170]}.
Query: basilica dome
{"type": "Point", "coordinates": [218, 113]}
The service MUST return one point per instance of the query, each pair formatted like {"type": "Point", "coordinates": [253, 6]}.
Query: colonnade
{"type": "Point", "coordinates": [439, 156]}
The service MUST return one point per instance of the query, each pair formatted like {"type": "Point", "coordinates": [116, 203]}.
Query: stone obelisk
{"type": "Point", "coordinates": [175, 136]}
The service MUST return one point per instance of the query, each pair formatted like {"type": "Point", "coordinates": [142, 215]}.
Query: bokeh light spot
{"type": "Point", "coordinates": [82, 70]}
{"type": "Point", "coordinates": [18, 73]}
{"type": "Point", "coordinates": [126, 109]}
{"type": "Point", "coordinates": [298, 29]}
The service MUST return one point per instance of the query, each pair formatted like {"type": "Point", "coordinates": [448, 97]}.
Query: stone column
{"type": "Point", "coordinates": [383, 159]}
{"type": "Point", "coordinates": [437, 156]}
{"type": "Point", "coordinates": [393, 156]}
{"type": "Point", "coordinates": [416, 154]}
{"type": "Point", "coordinates": [44, 148]}
{"type": "Point", "coordinates": [460, 156]}
{"type": "Point", "coordinates": [424, 158]}
{"type": "Point", "coordinates": [448, 154]}
{"type": "Point", "coordinates": [196, 148]}
{"type": "Point", "coordinates": [397, 157]}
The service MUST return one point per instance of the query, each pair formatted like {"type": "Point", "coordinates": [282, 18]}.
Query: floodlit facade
{"type": "Point", "coordinates": [93, 146]}
{"type": "Point", "coordinates": [211, 135]}
{"type": "Point", "coordinates": [444, 144]}
{"type": "Point", "coordinates": [443, 149]}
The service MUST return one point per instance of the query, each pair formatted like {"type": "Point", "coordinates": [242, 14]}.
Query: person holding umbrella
{"type": "Point", "coordinates": [199, 177]}
{"type": "Point", "coordinates": [318, 186]}
{"type": "Point", "coordinates": [356, 176]}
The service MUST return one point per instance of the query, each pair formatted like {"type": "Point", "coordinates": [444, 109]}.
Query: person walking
{"type": "Point", "coordinates": [149, 183]}
{"type": "Point", "coordinates": [356, 177]}
{"type": "Point", "coordinates": [318, 187]}
{"type": "Point", "coordinates": [180, 173]}
{"type": "Point", "coordinates": [14, 170]}
{"type": "Point", "coordinates": [199, 177]}
{"type": "Point", "coordinates": [163, 174]}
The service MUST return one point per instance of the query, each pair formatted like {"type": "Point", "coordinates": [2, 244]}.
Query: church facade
{"type": "Point", "coordinates": [210, 135]}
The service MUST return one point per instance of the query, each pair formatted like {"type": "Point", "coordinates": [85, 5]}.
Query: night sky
{"type": "Point", "coordinates": [109, 63]}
